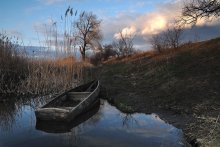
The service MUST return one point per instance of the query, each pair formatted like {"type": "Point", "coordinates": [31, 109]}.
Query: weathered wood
{"type": "Point", "coordinates": [57, 110]}
{"type": "Point", "coordinates": [63, 127]}
{"type": "Point", "coordinates": [78, 95]}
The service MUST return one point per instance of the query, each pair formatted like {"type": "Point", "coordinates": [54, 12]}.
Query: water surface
{"type": "Point", "coordinates": [103, 126]}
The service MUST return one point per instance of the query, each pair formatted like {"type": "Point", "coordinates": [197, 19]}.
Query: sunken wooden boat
{"type": "Point", "coordinates": [68, 105]}
{"type": "Point", "coordinates": [65, 127]}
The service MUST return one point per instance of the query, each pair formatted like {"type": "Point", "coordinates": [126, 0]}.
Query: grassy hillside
{"type": "Point", "coordinates": [185, 82]}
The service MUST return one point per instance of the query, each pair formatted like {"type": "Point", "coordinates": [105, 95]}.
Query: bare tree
{"type": "Point", "coordinates": [197, 9]}
{"type": "Point", "coordinates": [87, 32]}
{"type": "Point", "coordinates": [170, 38]}
{"type": "Point", "coordinates": [124, 44]}
{"type": "Point", "coordinates": [158, 42]}
{"type": "Point", "coordinates": [173, 36]}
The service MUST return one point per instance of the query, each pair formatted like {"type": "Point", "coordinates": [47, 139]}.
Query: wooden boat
{"type": "Point", "coordinates": [65, 127]}
{"type": "Point", "coordinates": [68, 105]}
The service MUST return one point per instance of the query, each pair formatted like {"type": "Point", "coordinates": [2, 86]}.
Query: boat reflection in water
{"type": "Point", "coordinates": [65, 127]}
{"type": "Point", "coordinates": [104, 125]}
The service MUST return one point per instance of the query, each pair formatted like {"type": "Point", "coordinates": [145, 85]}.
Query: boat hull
{"type": "Point", "coordinates": [67, 114]}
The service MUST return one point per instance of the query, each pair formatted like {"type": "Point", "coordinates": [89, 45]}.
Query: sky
{"type": "Point", "coordinates": [142, 18]}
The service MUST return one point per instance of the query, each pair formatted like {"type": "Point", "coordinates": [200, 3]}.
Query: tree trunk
{"type": "Point", "coordinates": [83, 56]}
{"type": "Point", "coordinates": [83, 53]}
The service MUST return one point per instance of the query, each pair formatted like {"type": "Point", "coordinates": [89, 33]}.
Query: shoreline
{"type": "Point", "coordinates": [178, 120]}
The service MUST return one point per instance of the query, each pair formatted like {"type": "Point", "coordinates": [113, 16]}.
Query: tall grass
{"type": "Point", "coordinates": [51, 76]}
{"type": "Point", "coordinates": [13, 66]}
{"type": "Point", "coordinates": [22, 74]}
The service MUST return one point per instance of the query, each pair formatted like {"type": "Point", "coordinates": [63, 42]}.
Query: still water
{"type": "Point", "coordinates": [103, 126]}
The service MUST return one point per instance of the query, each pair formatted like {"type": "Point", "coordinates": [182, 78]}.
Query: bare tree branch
{"type": "Point", "coordinates": [197, 9]}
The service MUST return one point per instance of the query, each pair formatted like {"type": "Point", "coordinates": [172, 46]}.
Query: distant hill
{"type": "Point", "coordinates": [42, 52]}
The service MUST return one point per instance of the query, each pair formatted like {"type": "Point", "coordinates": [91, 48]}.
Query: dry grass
{"type": "Point", "coordinates": [51, 76]}
{"type": "Point", "coordinates": [208, 130]}
{"type": "Point", "coordinates": [13, 65]}
{"type": "Point", "coordinates": [22, 74]}
{"type": "Point", "coordinates": [134, 57]}
{"type": "Point", "coordinates": [177, 80]}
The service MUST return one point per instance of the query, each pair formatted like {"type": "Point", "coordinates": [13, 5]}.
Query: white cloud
{"type": "Point", "coordinates": [146, 24]}
{"type": "Point", "coordinates": [142, 25]}
{"type": "Point", "coordinates": [158, 20]}
{"type": "Point", "coordinates": [154, 24]}
{"type": "Point", "coordinates": [126, 32]}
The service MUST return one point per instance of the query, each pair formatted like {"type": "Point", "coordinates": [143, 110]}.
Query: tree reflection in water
{"type": "Point", "coordinates": [8, 111]}
{"type": "Point", "coordinates": [11, 110]}
{"type": "Point", "coordinates": [128, 120]}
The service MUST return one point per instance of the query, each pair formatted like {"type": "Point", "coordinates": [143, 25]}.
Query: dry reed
{"type": "Point", "coordinates": [22, 74]}
{"type": "Point", "coordinates": [51, 76]}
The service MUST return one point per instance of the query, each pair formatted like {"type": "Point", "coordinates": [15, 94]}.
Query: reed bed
{"type": "Point", "coordinates": [13, 66]}
{"type": "Point", "coordinates": [24, 74]}
{"type": "Point", "coordinates": [52, 76]}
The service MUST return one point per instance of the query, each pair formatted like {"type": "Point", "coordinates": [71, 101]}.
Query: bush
{"type": "Point", "coordinates": [96, 59]}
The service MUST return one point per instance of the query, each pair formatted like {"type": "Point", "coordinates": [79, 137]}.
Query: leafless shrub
{"type": "Point", "coordinates": [158, 42]}
{"type": "Point", "coordinates": [173, 36]}
{"type": "Point", "coordinates": [103, 54]}
{"type": "Point", "coordinates": [170, 38]}
{"type": "Point", "coordinates": [96, 58]}
{"type": "Point", "coordinates": [108, 51]}
{"type": "Point", "coordinates": [124, 45]}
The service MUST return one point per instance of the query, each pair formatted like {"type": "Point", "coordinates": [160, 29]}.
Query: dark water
{"type": "Point", "coordinates": [102, 126]}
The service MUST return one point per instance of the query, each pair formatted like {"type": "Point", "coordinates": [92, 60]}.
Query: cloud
{"type": "Point", "coordinates": [114, 24]}
{"type": "Point", "coordinates": [52, 2]}
{"type": "Point", "coordinates": [158, 20]}
{"type": "Point", "coordinates": [126, 32]}
{"type": "Point", "coordinates": [154, 24]}
{"type": "Point", "coordinates": [145, 24]}
{"type": "Point", "coordinates": [142, 25]}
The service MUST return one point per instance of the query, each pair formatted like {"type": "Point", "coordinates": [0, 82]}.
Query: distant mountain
{"type": "Point", "coordinates": [42, 52]}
